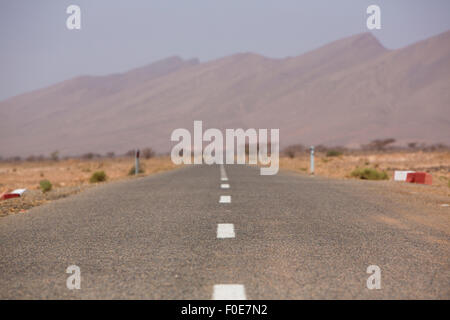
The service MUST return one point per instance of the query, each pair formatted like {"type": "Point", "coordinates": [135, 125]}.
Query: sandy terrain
{"type": "Point", "coordinates": [67, 177]}
{"type": "Point", "coordinates": [435, 163]}
{"type": "Point", "coordinates": [72, 172]}
{"type": "Point", "coordinates": [72, 176]}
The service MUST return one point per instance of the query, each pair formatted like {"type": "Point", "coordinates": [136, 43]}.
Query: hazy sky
{"type": "Point", "coordinates": [37, 49]}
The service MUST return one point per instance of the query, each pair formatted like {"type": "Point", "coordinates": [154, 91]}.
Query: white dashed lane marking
{"type": "Point", "coordinates": [223, 173]}
{"type": "Point", "coordinates": [225, 199]}
{"type": "Point", "coordinates": [225, 230]}
{"type": "Point", "coordinates": [229, 292]}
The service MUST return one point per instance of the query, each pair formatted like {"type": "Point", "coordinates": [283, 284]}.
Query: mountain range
{"type": "Point", "coordinates": [347, 93]}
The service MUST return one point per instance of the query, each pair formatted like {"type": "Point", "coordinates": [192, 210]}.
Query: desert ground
{"type": "Point", "coordinates": [66, 176]}
{"type": "Point", "coordinates": [340, 167]}
{"type": "Point", "coordinates": [72, 176]}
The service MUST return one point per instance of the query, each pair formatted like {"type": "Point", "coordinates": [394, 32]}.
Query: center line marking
{"type": "Point", "coordinates": [225, 199]}
{"type": "Point", "coordinates": [229, 292]}
{"type": "Point", "coordinates": [223, 173]}
{"type": "Point", "coordinates": [225, 230]}
{"type": "Point", "coordinates": [225, 186]}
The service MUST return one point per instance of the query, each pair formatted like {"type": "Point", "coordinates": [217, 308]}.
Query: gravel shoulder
{"type": "Point", "coordinates": [34, 198]}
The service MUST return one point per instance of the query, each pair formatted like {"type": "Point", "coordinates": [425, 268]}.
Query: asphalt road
{"type": "Point", "coordinates": [295, 237]}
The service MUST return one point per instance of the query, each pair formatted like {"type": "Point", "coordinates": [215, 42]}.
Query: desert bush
{"type": "Point", "coordinates": [37, 158]}
{"type": "Point", "coordinates": [98, 176]}
{"type": "Point", "coordinates": [130, 153]}
{"type": "Point", "coordinates": [320, 148]}
{"type": "Point", "coordinates": [378, 144]}
{"type": "Point", "coordinates": [148, 153]}
{"type": "Point", "coordinates": [436, 147]}
{"type": "Point", "coordinates": [54, 156]}
{"type": "Point", "coordinates": [334, 153]}
{"type": "Point", "coordinates": [31, 158]}
{"type": "Point", "coordinates": [88, 156]}
{"type": "Point", "coordinates": [45, 185]}
{"type": "Point", "coordinates": [292, 150]}
{"type": "Point", "coordinates": [133, 169]}
{"type": "Point", "coordinates": [369, 174]}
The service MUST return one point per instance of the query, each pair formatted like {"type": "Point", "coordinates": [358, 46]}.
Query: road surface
{"type": "Point", "coordinates": [174, 236]}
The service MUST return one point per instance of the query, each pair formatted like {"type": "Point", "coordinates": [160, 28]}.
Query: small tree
{"type": "Point", "coordinates": [379, 144]}
{"type": "Point", "coordinates": [54, 155]}
{"type": "Point", "coordinates": [321, 148]}
{"type": "Point", "coordinates": [148, 153]}
{"type": "Point", "coordinates": [31, 158]}
{"type": "Point", "coordinates": [88, 156]}
{"type": "Point", "coordinates": [292, 150]}
{"type": "Point", "coordinates": [130, 153]}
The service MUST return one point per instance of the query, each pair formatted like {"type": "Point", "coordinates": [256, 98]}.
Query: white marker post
{"type": "Point", "coordinates": [312, 160]}
{"type": "Point", "coordinates": [136, 164]}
